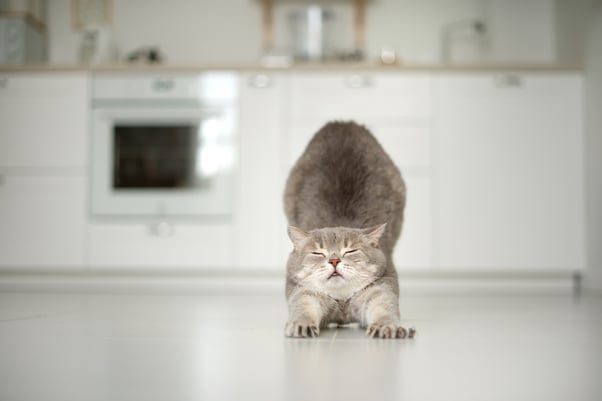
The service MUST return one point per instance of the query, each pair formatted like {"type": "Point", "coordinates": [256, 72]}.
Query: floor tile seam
{"type": "Point", "coordinates": [34, 317]}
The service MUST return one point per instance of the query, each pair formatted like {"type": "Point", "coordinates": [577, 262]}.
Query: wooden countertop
{"type": "Point", "coordinates": [317, 67]}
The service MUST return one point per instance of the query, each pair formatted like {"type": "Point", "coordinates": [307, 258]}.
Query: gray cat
{"type": "Point", "coordinates": [344, 201]}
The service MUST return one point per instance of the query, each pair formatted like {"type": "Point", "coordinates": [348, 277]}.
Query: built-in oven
{"type": "Point", "coordinates": [164, 145]}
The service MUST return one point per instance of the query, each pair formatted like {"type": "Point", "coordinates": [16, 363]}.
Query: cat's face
{"type": "Point", "coordinates": [337, 261]}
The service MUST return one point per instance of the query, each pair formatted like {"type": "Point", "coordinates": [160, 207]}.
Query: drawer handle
{"type": "Point", "coordinates": [162, 229]}
{"type": "Point", "coordinates": [2, 180]}
{"type": "Point", "coordinates": [359, 81]}
{"type": "Point", "coordinates": [163, 84]}
{"type": "Point", "coordinates": [261, 81]}
{"type": "Point", "coordinates": [3, 82]}
{"type": "Point", "coordinates": [508, 81]}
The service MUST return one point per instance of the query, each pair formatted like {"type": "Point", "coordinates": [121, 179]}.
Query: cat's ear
{"type": "Point", "coordinates": [297, 236]}
{"type": "Point", "coordinates": [374, 233]}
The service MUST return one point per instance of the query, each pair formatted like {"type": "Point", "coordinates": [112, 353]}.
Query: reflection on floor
{"type": "Point", "coordinates": [197, 347]}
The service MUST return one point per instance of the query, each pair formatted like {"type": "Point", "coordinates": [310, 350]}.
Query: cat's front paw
{"type": "Point", "coordinates": [301, 328]}
{"type": "Point", "coordinates": [389, 331]}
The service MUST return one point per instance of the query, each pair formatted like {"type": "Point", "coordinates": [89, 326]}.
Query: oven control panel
{"type": "Point", "coordinates": [219, 86]}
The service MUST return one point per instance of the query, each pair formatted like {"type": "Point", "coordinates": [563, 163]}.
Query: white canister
{"type": "Point", "coordinates": [309, 29]}
{"type": "Point", "coordinates": [97, 45]}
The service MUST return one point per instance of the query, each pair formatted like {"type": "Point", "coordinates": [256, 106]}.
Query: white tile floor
{"type": "Point", "coordinates": [169, 347]}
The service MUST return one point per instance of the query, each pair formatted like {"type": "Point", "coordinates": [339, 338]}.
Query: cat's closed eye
{"type": "Point", "coordinates": [318, 254]}
{"type": "Point", "coordinates": [351, 251]}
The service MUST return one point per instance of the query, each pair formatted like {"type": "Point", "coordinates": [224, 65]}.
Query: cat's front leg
{"type": "Point", "coordinates": [380, 315]}
{"type": "Point", "coordinates": [305, 315]}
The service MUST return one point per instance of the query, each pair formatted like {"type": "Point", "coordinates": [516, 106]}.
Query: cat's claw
{"type": "Point", "coordinates": [301, 330]}
{"type": "Point", "coordinates": [389, 331]}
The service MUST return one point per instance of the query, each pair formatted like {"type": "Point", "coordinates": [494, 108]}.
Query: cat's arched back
{"type": "Point", "coordinates": [345, 179]}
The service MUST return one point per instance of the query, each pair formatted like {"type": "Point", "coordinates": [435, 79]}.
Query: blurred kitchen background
{"type": "Point", "coordinates": [146, 143]}
{"type": "Point", "coordinates": [433, 31]}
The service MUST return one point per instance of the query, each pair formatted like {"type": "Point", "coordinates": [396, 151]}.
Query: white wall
{"type": "Point", "coordinates": [517, 31]}
{"type": "Point", "coordinates": [187, 31]}
{"type": "Point", "coordinates": [572, 27]}
{"type": "Point", "coordinates": [229, 31]}
{"type": "Point", "coordinates": [593, 145]}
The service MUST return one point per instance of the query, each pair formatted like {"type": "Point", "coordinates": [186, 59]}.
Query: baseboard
{"type": "Point", "coordinates": [592, 281]}
{"type": "Point", "coordinates": [492, 285]}
{"type": "Point", "coordinates": [272, 282]}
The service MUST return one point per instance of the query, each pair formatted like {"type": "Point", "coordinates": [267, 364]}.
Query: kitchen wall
{"type": "Point", "coordinates": [188, 31]}
{"type": "Point", "coordinates": [229, 31]}
{"type": "Point", "coordinates": [593, 146]}
{"type": "Point", "coordinates": [517, 31]}
{"type": "Point", "coordinates": [572, 23]}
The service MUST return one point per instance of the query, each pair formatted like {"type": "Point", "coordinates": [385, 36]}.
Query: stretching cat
{"type": "Point", "coordinates": [344, 201]}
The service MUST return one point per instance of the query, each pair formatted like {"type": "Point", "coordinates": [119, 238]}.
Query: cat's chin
{"type": "Point", "coordinates": [335, 275]}
{"type": "Point", "coordinates": [339, 288]}
{"type": "Point", "coordinates": [336, 282]}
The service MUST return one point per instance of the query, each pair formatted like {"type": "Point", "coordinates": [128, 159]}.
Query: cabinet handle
{"type": "Point", "coordinates": [163, 84]}
{"type": "Point", "coordinates": [260, 81]}
{"type": "Point", "coordinates": [161, 229]}
{"type": "Point", "coordinates": [3, 82]}
{"type": "Point", "coordinates": [508, 81]}
{"type": "Point", "coordinates": [359, 81]}
{"type": "Point", "coordinates": [2, 180]}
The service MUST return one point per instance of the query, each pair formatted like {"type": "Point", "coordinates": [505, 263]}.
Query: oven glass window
{"type": "Point", "coordinates": [156, 156]}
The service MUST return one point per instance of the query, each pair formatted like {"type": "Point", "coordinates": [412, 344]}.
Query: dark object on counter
{"type": "Point", "coordinates": [349, 56]}
{"type": "Point", "coordinates": [148, 55]}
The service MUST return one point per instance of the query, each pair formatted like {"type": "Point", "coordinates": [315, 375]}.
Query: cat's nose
{"type": "Point", "coordinates": [334, 261]}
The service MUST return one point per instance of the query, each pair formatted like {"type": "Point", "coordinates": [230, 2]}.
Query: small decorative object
{"type": "Point", "coordinates": [91, 13]}
{"type": "Point", "coordinates": [96, 46]}
{"type": "Point", "coordinates": [388, 56]}
{"type": "Point", "coordinates": [146, 55]}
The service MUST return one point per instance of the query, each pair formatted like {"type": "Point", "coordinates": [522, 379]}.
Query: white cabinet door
{"type": "Point", "coordinates": [43, 131]}
{"type": "Point", "coordinates": [262, 225]}
{"type": "Point", "coordinates": [510, 170]}
{"type": "Point", "coordinates": [414, 247]}
{"type": "Point", "coordinates": [44, 119]}
{"type": "Point", "coordinates": [42, 221]}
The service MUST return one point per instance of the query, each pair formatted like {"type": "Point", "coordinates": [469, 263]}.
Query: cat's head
{"type": "Point", "coordinates": [336, 260]}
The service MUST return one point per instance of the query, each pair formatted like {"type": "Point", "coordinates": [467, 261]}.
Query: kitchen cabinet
{"type": "Point", "coordinates": [43, 157]}
{"type": "Point", "coordinates": [492, 162]}
{"type": "Point", "coordinates": [262, 239]}
{"type": "Point", "coordinates": [510, 189]}
{"type": "Point", "coordinates": [397, 109]}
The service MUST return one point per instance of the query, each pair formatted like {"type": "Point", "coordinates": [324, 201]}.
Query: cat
{"type": "Point", "coordinates": [344, 201]}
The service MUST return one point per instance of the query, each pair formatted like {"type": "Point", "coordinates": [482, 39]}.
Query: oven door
{"type": "Point", "coordinates": [163, 161]}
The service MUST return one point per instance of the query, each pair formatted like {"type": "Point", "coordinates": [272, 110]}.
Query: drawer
{"type": "Point", "coordinates": [360, 95]}
{"type": "Point", "coordinates": [44, 120]}
{"type": "Point", "coordinates": [39, 86]}
{"type": "Point", "coordinates": [160, 244]}
{"type": "Point", "coordinates": [220, 86]}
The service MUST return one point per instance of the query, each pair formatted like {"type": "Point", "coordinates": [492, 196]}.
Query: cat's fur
{"type": "Point", "coordinates": [344, 201]}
